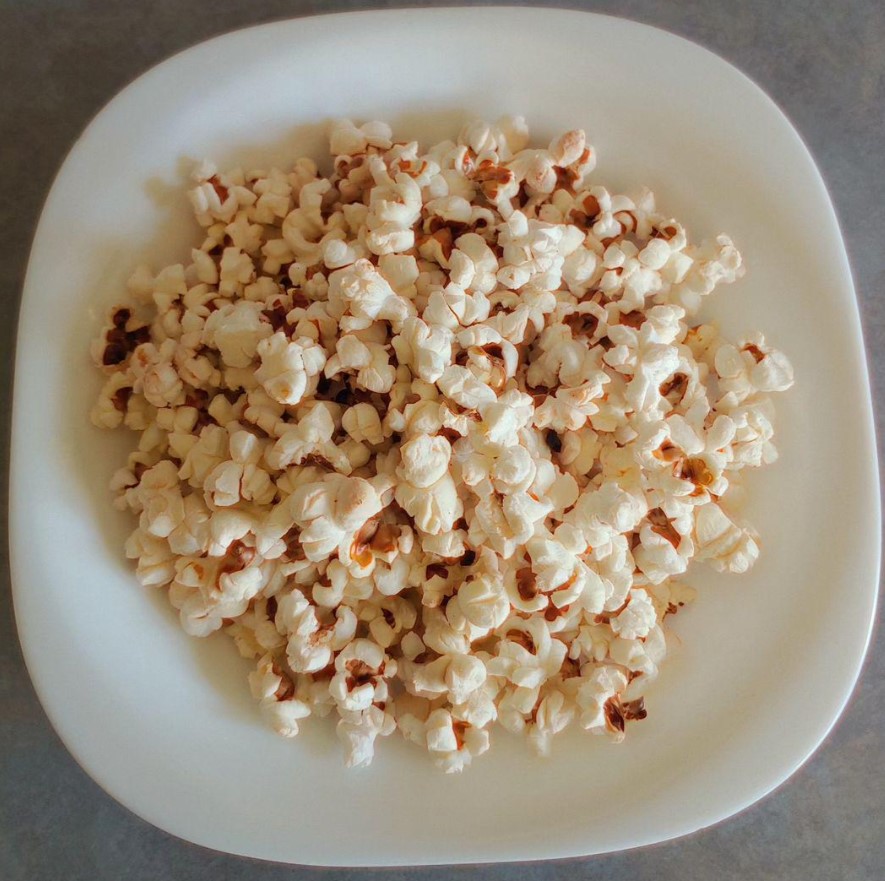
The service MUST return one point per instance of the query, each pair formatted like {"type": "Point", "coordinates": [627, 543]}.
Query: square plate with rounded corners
{"type": "Point", "coordinates": [165, 723]}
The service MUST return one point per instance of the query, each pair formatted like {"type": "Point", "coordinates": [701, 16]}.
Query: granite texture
{"type": "Point", "coordinates": [823, 63]}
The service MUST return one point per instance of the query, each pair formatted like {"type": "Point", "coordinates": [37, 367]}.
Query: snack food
{"type": "Point", "coordinates": [433, 438]}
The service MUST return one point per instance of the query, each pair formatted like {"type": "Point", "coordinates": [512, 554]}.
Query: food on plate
{"type": "Point", "coordinates": [435, 437]}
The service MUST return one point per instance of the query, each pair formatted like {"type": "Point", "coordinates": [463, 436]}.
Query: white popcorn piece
{"type": "Point", "coordinates": [722, 542]}
{"type": "Point", "coordinates": [311, 646]}
{"type": "Point", "coordinates": [439, 634]}
{"type": "Point", "coordinates": [454, 307]}
{"type": "Point", "coordinates": [507, 136]}
{"type": "Point", "coordinates": [155, 375]}
{"type": "Point", "coordinates": [435, 508]}
{"type": "Point", "coordinates": [453, 744]}
{"type": "Point", "coordinates": [553, 714]}
{"type": "Point", "coordinates": [482, 599]}
{"type": "Point", "coordinates": [358, 732]}
{"type": "Point", "coordinates": [331, 511]}
{"type": "Point", "coordinates": [288, 367]}
{"type": "Point", "coordinates": [361, 291]}
{"type": "Point", "coordinates": [455, 675]}
{"type": "Point", "coordinates": [424, 348]}
{"type": "Point", "coordinates": [157, 497]}
{"type": "Point", "coordinates": [206, 592]}
{"type": "Point", "coordinates": [640, 656]}
{"type": "Point", "coordinates": [464, 388]}
{"type": "Point", "coordinates": [425, 460]}
{"type": "Point", "coordinates": [528, 655]}
{"type": "Point", "coordinates": [241, 478]}
{"type": "Point", "coordinates": [235, 331]}
{"type": "Point", "coordinates": [369, 360]}
{"type": "Point", "coordinates": [637, 617]}
{"type": "Point", "coordinates": [275, 691]}
{"type": "Point", "coordinates": [311, 435]}
{"type": "Point", "coordinates": [389, 619]}
{"type": "Point", "coordinates": [598, 701]}
{"type": "Point", "coordinates": [218, 196]}
{"type": "Point", "coordinates": [363, 424]}
{"type": "Point", "coordinates": [193, 535]}
{"type": "Point", "coordinates": [752, 368]}
{"type": "Point", "coordinates": [111, 407]}
{"type": "Point", "coordinates": [361, 672]}
{"type": "Point", "coordinates": [155, 561]}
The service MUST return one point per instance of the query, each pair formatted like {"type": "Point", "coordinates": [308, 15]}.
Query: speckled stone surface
{"type": "Point", "coordinates": [823, 63]}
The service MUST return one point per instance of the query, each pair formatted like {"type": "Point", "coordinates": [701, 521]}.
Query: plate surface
{"type": "Point", "coordinates": [165, 723]}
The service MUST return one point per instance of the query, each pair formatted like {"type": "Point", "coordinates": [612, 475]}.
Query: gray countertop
{"type": "Point", "coordinates": [822, 62]}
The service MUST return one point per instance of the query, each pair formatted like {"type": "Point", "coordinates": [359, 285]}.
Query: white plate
{"type": "Point", "coordinates": [165, 723]}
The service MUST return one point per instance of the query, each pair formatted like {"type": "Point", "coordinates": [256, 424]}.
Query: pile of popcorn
{"type": "Point", "coordinates": [434, 437]}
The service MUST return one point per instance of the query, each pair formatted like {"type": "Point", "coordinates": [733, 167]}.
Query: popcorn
{"type": "Point", "coordinates": [369, 360]}
{"type": "Point", "coordinates": [455, 675]}
{"type": "Point", "coordinates": [312, 646]}
{"type": "Point", "coordinates": [205, 592]}
{"type": "Point", "coordinates": [424, 348]}
{"type": "Point", "coordinates": [361, 673]}
{"type": "Point", "coordinates": [553, 713]}
{"type": "Point", "coordinates": [192, 536]}
{"type": "Point", "coordinates": [274, 690]}
{"type": "Point", "coordinates": [528, 655]}
{"type": "Point", "coordinates": [453, 744]}
{"type": "Point", "coordinates": [288, 367]}
{"type": "Point", "coordinates": [425, 460]}
{"type": "Point", "coordinates": [311, 435]}
{"type": "Point", "coordinates": [235, 331]}
{"type": "Point", "coordinates": [113, 402]}
{"type": "Point", "coordinates": [241, 478]}
{"type": "Point", "coordinates": [473, 265]}
{"type": "Point", "coordinates": [154, 374]}
{"type": "Point", "coordinates": [597, 701]}
{"type": "Point", "coordinates": [330, 512]}
{"type": "Point", "coordinates": [345, 137]}
{"type": "Point", "coordinates": [461, 386]}
{"type": "Point", "coordinates": [636, 618]}
{"type": "Point", "coordinates": [454, 307]}
{"type": "Point", "coordinates": [155, 561]}
{"type": "Point", "coordinates": [363, 423]}
{"type": "Point", "coordinates": [433, 438]}
{"type": "Point", "coordinates": [218, 196]}
{"type": "Point", "coordinates": [363, 293]}
{"type": "Point", "coordinates": [722, 542]}
{"type": "Point", "coordinates": [481, 602]}
{"type": "Point", "coordinates": [751, 369]}
{"type": "Point", "coordinates": [434, 508]}
{"type": "Point", "coordinates": [389, 619]}
{"type": "Point", "coordinates": [358, 732]}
